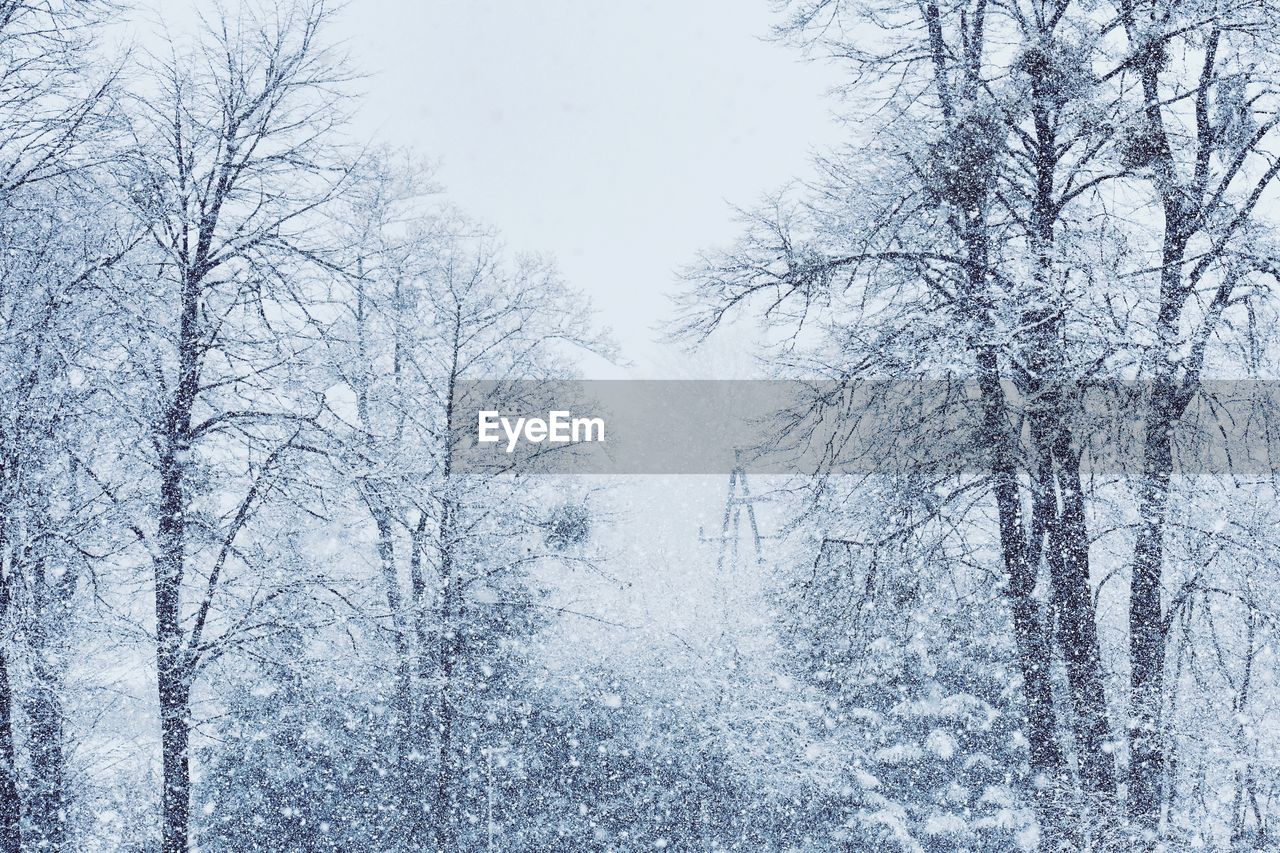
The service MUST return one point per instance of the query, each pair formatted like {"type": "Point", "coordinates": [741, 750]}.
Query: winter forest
{"type": "Point", "coordinates": [249, 602]}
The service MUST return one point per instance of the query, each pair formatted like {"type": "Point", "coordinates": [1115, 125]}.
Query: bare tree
{"type": "Point", "coordinates": [936, 239]}
{"type": "Point", "coordinates": [1006, 142]}
{"type": "Point", "coordinates": [432, 302]}
{"type": "Point", "coordinates": [56, 113]}
{"type": "Point", "coordinates": [235, 155]}
{"type": "Point", "coordinates": [1200, 137]}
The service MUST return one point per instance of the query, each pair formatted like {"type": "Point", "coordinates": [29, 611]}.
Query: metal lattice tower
{"type": "Point", "coordinates": [738, 502]}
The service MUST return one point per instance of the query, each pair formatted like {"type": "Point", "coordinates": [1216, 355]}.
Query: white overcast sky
{"type": "Point", "coordinates": [612, 134]}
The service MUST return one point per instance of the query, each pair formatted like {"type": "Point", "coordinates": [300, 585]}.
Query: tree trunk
{"type": "Point", "coordinates": [402, 704]}
{"type": "Point", "coordinates": [173, 664]}
{"type": "Point", "coordinates": [175, 742]}
{"type": "Point", "coordinates": [172, 670]}
{"type": "Point", "coordinates": [395, 603]}
{"type": "Point", "coordinates": [10, 805]}
{"type": "Point", "coordinates": [450, 621]}
{"type": "Point", "coordinates": [46, 808]}
{"type": "Point", "coordinates": [1146, 611]}
{"type": "Point", "coordinates": [1030, 635]}
{"type": "Point", "coordinates": [446, 778]}
{"type": "Point", "coordinates": [1058, 478]}
{"type": "Point", "coordinates": [1068, 561]}
{"type": "Point", "coordinates": [1146, 625]}
{"type": "Point", "coordinates": [418, 735]}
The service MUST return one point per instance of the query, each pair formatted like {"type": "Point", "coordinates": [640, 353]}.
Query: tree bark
{"type": "Point", "coordinates": [1057, 480]}
{"type": "Point", "coordinates": [1067, 555]}
{"type": "Point", "coordinates": [447, 780]}
{"type": "Point", "coordinates": [1168, 400]}
{"type": "Point", "coordinates": [172, 676]}
{"type": "Point", "coordinates": [175, 743]}
{"type": "Point", "coordinates": [1146, 623]}
{"type": "Point", "coordinates": [1031, 639]}
{"type": "Point", "coordinates": [173, 666]}
{"type": "Point", "coordinates": [10, 804]}
{"type": "Point", "coordinates": [46, 807]}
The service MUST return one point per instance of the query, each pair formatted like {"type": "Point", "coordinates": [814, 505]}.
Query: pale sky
{"type": "Point", "coordinates": [613, 135]}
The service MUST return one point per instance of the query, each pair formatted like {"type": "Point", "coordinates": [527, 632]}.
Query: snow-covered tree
{"type": "Point", "coordinates": [234, 155]}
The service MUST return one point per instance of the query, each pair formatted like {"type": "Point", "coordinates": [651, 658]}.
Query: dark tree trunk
{"type": "Point", "coordinates": [174, 663]}
{"type": "Point", "coordinates": [1078, 633]}
{"type": "Point", "coordinates": [1168, 401]}
{"type": "Point", "coordinates": [1061, 493]}
{"type": "Point", "coordinates": [1031, 637]}
{"type": "Point", "coordinates": [1059, 490]}
{"type": "Point", "coordinates": [46, 807]}
{"type": "Point", "coordinates": [1146, 623]}
{"type": "Point", "coordinates": [402, 705]}
{"type": "Point", "coordinates": [450, 618]}
{"type": "Point", "coordinates": [446, 823]}
{"type": "Point", "coordinates": [1033, 647]}
{"type": "Point", "coordinates": [46, 804]}
{"type": "Point", "coordinates": [10, 805]}
{"type": "Point", "coordinates": [175, 742]}
{"type": "Point", "coordinates": [420, 710]}
{"type": "Point", "coordinates": [172, 675]}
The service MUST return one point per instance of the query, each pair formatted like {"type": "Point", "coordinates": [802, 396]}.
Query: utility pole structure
{"type": "Point", "coordinates": [489, 751]}
{"type": "Point", "coordinates": [738, 502]}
